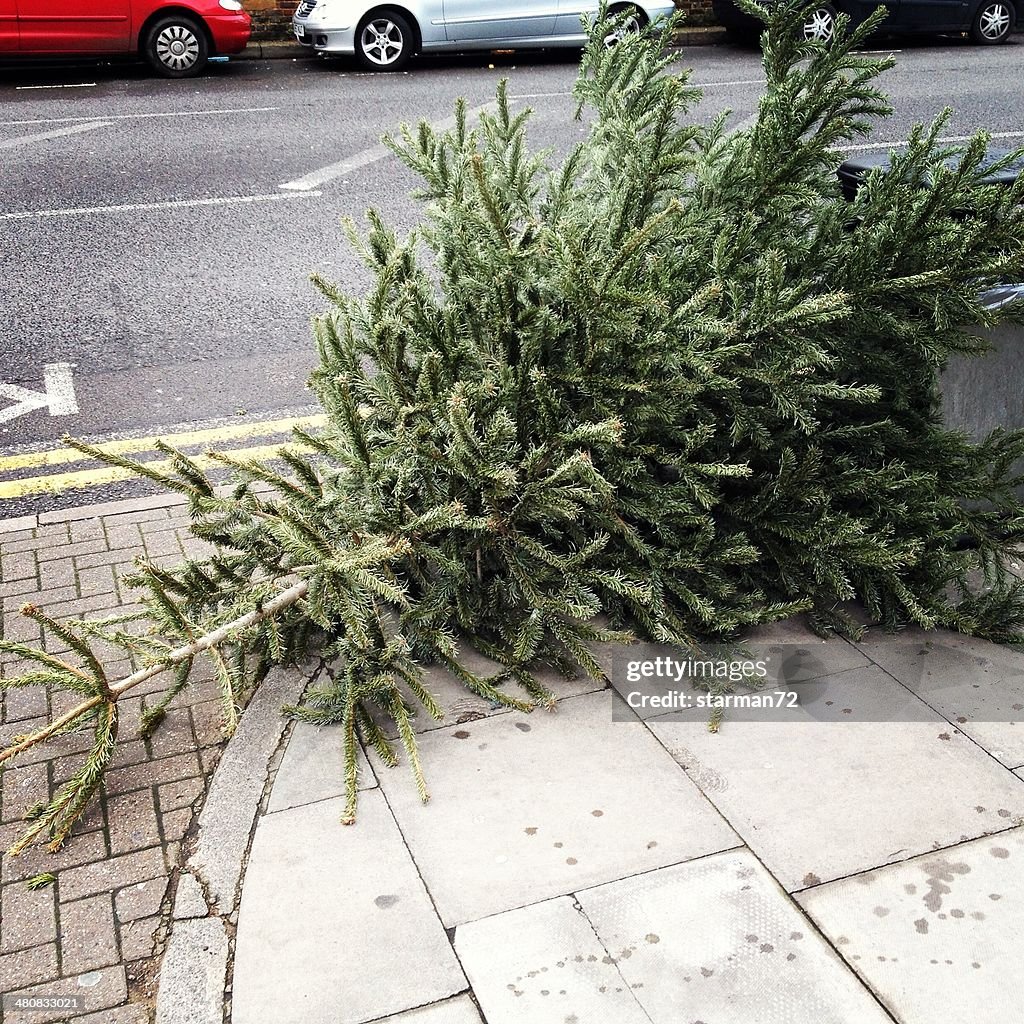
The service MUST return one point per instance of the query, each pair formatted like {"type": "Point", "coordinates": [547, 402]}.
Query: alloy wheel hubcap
{"type": "Point", "coordinates": [820, 26]}
{"type": "Point", "coordinates": [995, 21]}
{"type": "Point", "coordinates": [382, 42]}
{"type": "Point", "coordinates": [177, 47]}
{"type": "Point", "coordinates": [628, 27]}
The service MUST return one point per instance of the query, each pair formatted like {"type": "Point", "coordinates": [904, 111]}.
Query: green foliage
{"type": "Point", "coordinates": [676, 384]}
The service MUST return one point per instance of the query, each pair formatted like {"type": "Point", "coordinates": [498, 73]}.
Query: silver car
{"type": "Point", "coordinates": [383, 36]}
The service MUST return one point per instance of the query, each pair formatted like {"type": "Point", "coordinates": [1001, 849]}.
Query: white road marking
{"type": "Point", "coordinates": [58, 396]}
{"type": "Point", "coordinates": [696, 85]}
{"type": "Point", "coordinates": [368, 156]}
{"type": "Point", "coordinates": [57, 133]}
{"type": "Point", "coordinates": [739, 81]}
{"type": "Point", "coordinates": [747, 122]}
{"type": "Point", "coordinates": [77, 85]}
{"type": "Point", "coordinates": [173, 204]}
{"type": "Point", "coordinates": [895, 144]}
{"type": "Point", "coordinates": [141, 117]}
{"type": "Point", "coordinates": [342, 167]}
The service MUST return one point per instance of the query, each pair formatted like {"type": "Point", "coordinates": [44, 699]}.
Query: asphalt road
{"type": "Point", "coordinates": [146, 238]}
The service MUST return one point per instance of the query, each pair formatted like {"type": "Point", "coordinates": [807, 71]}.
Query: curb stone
{"type": "Point", "coordinates": [189, 901]}
{"type": "Point", "coordinates": [706, 35]}
{"type": "Point", "coordinates": [18, 524]}
{"type": "Point", "coordinates": [95, 511]}
{"type": "Point", "coordinates": [120, 506]}
{"type": "Point", "coordinates": [236, 789]}
{"type": "Point", "coordinates": [273, 50]}
{"type": "Point", "coordinates": [194, 970]}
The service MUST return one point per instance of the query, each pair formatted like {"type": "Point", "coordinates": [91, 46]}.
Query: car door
{"type": "Point", "coordinates": [498, 20]}
{"type": "Point", "coordinates": [931, 15]}
{"type": "Point", "coordinates": [8, 26]}
{"type": "Point", "coordinates": [74, 26]}
{"type": "Point", "coordinates": [570, 13]}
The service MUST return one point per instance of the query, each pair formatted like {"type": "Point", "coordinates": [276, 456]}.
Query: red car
{"type": "Point", "coordinates": [175, 38]}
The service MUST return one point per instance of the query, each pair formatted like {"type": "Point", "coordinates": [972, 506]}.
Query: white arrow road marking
{"type": "Point", "coordinates": [368, 156]}
{"type": "Point", "coordinates": [59, 396]}
{"type": "Point", "coordinates": [56, 133]}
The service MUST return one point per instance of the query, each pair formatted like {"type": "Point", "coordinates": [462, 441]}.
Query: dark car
{"type": "Point", "coordinates": [988, 21]}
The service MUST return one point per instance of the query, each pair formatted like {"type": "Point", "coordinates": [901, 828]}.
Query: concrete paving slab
{"type": "Point", "coordinates": [790, 652]}
{"type": "Point", "coordinates": [526, 807]}
{"type": "Point", "coordinates": [826, 797]}
{"type": "Point", "coordinates": [312, 768]}
{"type": "Point", "coordinates": [460, 705]}
{"type": "Point", "coordinates": [334, 924]}
{"type": "Point", "coordinates": [977, 685]}
{"type": "Point", "coordinates": [545, 965]}
{"type": "Point", "coordinates": [835, 653]}
{"type": "Point", "coordinates": [460, 1010]}
{"type": "Point", "coordinates": [718, 940]}
{"type": "Point", "coordinates": [939, 937]}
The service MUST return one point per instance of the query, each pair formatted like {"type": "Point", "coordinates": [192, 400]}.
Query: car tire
{"type": "Point", "coordinates": [993, 22]}
{"type": "Point", "coordinates": [634, 23]}
{"type": "Point", "coordinates": [820, 24]}
{"type": "Point", "coordinates": [176, 47]}
{"type": "Point", "coordinates": [384, 41]}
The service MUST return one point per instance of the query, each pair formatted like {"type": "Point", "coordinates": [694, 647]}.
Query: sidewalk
{"type": "Point", "coordinates": [94, 932]}
{"type": "Point", "coordinates": [572, 869]}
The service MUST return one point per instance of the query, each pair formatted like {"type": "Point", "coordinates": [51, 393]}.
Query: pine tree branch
{"type": "Point", "coordinates": [176, 657]}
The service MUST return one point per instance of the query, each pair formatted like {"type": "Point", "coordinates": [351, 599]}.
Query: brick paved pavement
{"type": "Point", "coordinates": [95, 932]}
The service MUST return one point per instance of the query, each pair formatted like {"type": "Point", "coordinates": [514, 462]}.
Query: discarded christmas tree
{"type": "Point", "coordinates": [677, 381]}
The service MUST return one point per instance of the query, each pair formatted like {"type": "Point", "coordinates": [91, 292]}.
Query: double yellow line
{"type": "Point", "coordinates": [54, 483]}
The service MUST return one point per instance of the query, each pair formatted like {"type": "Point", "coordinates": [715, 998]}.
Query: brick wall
{"type": "Point", "coordinates": [698, 12]}
{"type": "Point", "coordinates": [272, 18]}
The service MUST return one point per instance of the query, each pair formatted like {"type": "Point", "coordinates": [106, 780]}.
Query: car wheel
{"type": "Point", "coordinates": [820, 24]}
{"type": "Point", "coordinates": [176, 47]}
{"type": "Point", "coordinates": [993, 21]}
{"type": "Point", "coordinates": [633, 23]}
{"type": "Point", "coordinates": [384, 41]}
